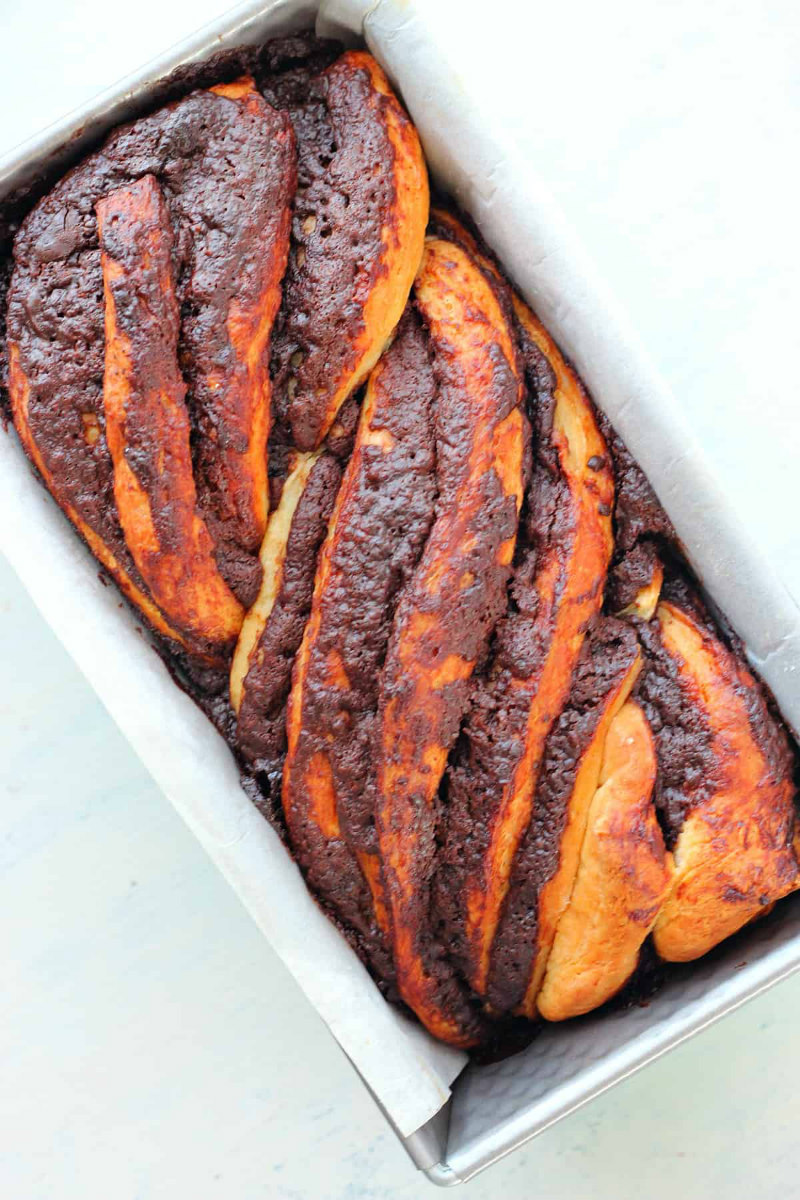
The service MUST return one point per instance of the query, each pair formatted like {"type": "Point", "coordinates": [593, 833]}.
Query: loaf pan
{"type": "Point", "coordinates": [494, 1109]}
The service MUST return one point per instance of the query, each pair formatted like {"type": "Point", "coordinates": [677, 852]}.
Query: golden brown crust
{"type": "Point", "coordinates": [244, 409]}
{"type": "Point", "coordinates": [445, 224]}
{"type": "Point", "coordinates": [226, 167]}
{"type": "Point", "coordinates": [622, 878]}
{"type": "Point", "coordinates": [147, 424]}
{"type": "Point", "coordinates": [19, 393]}
{"type": "Point", "coordinates": [557, 591]}
{"type": "Point", "coordinates": [733, 855]}
{"type": "Point", "coordinates": [381, 518]}
{"type": "Point", "coordinates": [570, 577]}
{"type": "Point", "coordinates": [273, 556]}
{"type": "Point", "coordinates": [446, 614]}
{"type": "Point", "coordinates": [556, 892]}
{"type": "Point", "coordinates": [368, 309]}
{"type": "Point", "coordinates": [262, 669]}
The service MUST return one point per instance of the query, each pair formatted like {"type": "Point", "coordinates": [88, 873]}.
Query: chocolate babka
{"type": "Point", "coordinates": [379, 531]}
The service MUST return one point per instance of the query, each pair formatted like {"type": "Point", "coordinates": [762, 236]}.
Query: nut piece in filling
{"type": "Point", "coordinates": [382, 516]}
{"type": "Point", "coordinates": [645, 573]}
{"type": "Point", "coordinates": [358, 230]}
{"type": "Point", "coordinates": [557, 589]}
{"type": "Point", "coordinates": [733, 846]}
{"type": "Point", "coordinates": [226, 170]}
{"type": "Point", "coordinates": [448, 611]}
{"type": "Point", "coordinates": [273, 628]}
{"type": "Point", "coordinates": [622, 878]}
{"type": "Point", "coordinates": [147, 425]}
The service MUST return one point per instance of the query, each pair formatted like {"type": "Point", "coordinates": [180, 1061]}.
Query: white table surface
{"type": "Point", "coordinates": [152, 1046]}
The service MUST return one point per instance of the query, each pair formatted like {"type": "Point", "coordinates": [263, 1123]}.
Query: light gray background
{"type": "Point", "coordinates": [152, 1046]}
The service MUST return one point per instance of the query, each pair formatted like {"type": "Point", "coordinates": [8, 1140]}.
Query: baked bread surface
{"type": "Point", "coordinates": [381, 533]}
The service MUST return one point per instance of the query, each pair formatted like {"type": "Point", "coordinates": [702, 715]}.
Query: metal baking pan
{"type": "Point", "coordinates": [496, 1108]}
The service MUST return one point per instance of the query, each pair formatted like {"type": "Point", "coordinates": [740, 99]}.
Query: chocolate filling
{"type": "Point", "coordinates": [227, 175]}
{"type": "Point", "coordinates": [261, 729]}
{"type": "Point", "coordinates": [384, 527]}
{"type": "Point", "coordinates": [491, 743]}
{"type": "Point", "coordinates": [344, 189]}
{"type": "Point", "coordinates": [606, 658]}
{"type": "Point", "coordinates": [686, 775]}
{"type": "Point", "coordinates": [377, 538]}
